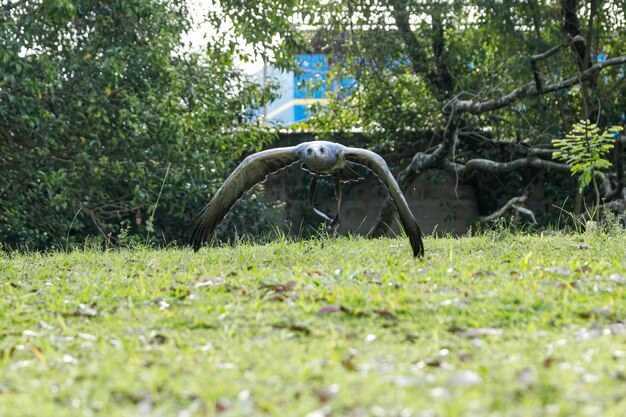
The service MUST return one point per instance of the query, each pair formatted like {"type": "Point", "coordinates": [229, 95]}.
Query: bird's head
{"type": "Point", "coordinates": [320, 156]}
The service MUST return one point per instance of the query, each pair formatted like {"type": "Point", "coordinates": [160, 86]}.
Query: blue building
{"type": "Point", "coordinates": [297, 90]}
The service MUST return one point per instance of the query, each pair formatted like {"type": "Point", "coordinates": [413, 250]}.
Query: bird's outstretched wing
{"type": "Point", "coordinates": [378, 165]}
{"type": "Point", "coordinates": [253, 170]}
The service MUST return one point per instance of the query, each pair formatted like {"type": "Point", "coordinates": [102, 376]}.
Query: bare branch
{"type": "Point", "coordinates": [510, 205]}
{"type": "Point", "coordinates": [588, 74]}
{"type": "Point", "coordinates": [530, 90]}
{"type": "Point", "coordinates": [617, 206]}
{"type": "Point", "coordinates": [423, 161]}
{"type": "Point", "coordinates": [474, 107]}
{"type": "Point", "coordinates": [524, 210]}
{"type": "Point", "coordinates": [555, 49]}
{"type": "Point", "coordinates": [500, 167]}
{"type": "Point", "coordinates": [544, 55]}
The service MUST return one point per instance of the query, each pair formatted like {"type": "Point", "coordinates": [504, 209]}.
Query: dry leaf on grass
{"type": "Point", "coordinates": [333, 308]}
{"type": "Point", "coordinates": [326, 393]}
{"type": "Point", "coordinates": [602, 312]}
{"type": "Point", "coordinates": [386, 315]}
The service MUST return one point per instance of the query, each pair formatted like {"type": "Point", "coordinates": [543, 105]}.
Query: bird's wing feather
{"type": "Point", "coordinates": [253, 170]}
{"type": "Point", "coordinates": [378, 165]}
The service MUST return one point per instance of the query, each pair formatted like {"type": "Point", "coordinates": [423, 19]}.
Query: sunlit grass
{"type": "Point", "coordinates": [490, 325]}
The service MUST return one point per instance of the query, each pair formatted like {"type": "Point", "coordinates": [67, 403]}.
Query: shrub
{"type": "Point", "coordinates": [103, 113]}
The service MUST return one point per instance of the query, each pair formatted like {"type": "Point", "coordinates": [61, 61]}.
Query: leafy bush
{"type": "Point", "coordinates": [585, 148]}
{"type": "Point", "coordinates": [103, 113]}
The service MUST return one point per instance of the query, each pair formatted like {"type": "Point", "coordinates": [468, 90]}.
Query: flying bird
{"type": "Point", "coordinates": [319, 158]}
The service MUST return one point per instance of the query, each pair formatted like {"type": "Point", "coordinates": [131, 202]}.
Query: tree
{"type": "Point", "coordinates": [517, 74]}
{"type": "Point", "coordinates": [106, 119]}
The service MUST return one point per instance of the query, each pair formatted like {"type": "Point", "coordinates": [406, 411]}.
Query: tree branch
{"type": "Point", "coordinates": [530, 90]}
{"type": "Point", "coordinates": [500, 167]}
{"type": "Point", "coordinates": [441, 78]}
{"type": "Point", "coordinates": [418, 58]}
{"type": "Point", "coordinates": [544, 55]}
{"type": "Point", "coordinates": [571, 27]}
{"type": "Point", "coordinates": [456, 108]}
{"type": "Point", "coordinates": [588, 74]}
{"type": "Point", "coordinates": [617, 206]}
{"type": "Point", "coordinates": [510, 205]}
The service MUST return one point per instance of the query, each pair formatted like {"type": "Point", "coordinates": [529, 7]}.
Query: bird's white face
{"type": "Point", "coordinates": [320, 156]}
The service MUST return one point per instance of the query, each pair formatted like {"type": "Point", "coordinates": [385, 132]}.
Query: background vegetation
{"type": "Point", "coordinates": [476, 88]}
{"type": "Point", "coordinates": [104, 113]}
{"type": "Point", "coordinates": [108, 122]}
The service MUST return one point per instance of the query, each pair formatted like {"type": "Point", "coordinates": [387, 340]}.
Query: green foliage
{"type": "Point", "coordinates": [264, 25]}
{"type": "Point", "coordinates": [477, 50]}
{"type": "Point", "coordinates": [513, 325]}
{"type": "Point", "coordinates": [585, 148]}
{"type": "Point", "coordinates": [103, 113]}
{"type": "Point", "coordinates": [398, 87]}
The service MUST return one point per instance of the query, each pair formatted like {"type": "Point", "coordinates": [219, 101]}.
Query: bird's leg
{"type": "Point", "coordinates": [335, 222]}
{"type": "Point", "coordinates": [311, 198]}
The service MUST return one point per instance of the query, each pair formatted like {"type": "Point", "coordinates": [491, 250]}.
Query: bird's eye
{"type": "Point", "coordinates": [322, 150]}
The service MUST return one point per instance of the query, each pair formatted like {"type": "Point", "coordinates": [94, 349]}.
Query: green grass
{"type": "Point", "coordinates": [497, 325]}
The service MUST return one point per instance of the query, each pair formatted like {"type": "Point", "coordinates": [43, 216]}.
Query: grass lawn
{"type": "Point", "coordinates": [495, 325]}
